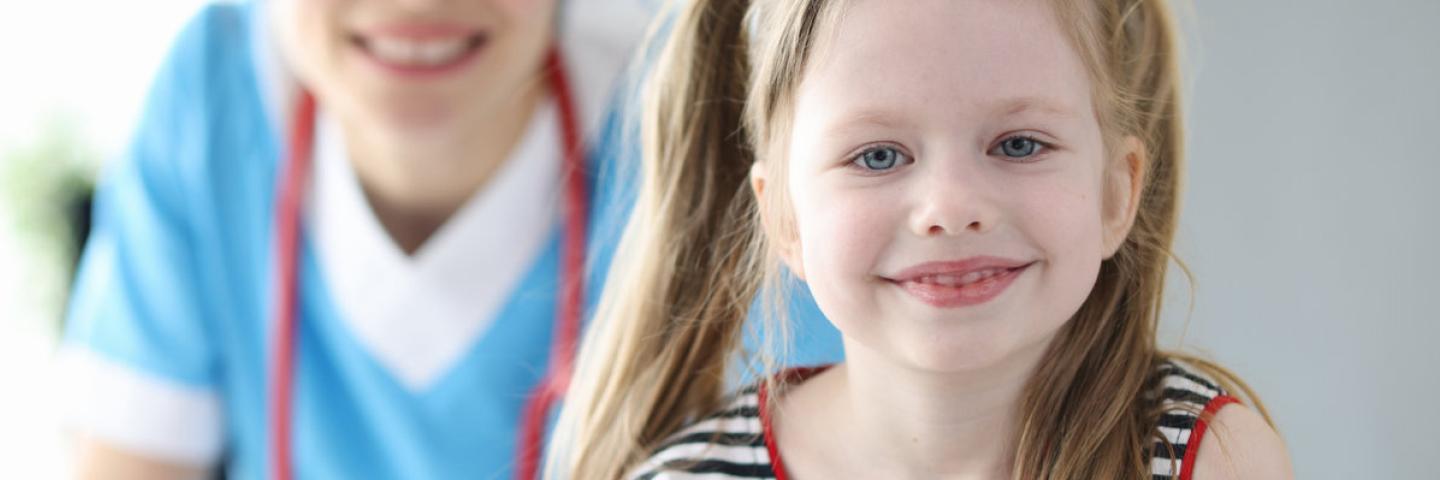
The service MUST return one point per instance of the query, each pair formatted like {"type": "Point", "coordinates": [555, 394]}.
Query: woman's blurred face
{"type": "Point", "coordinates": [415, 68]}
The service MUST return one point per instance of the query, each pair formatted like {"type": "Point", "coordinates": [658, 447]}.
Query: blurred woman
{"type": "Point", "coordinates": [350, 240]}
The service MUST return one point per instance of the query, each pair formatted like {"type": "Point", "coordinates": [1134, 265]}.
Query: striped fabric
{"type": "Point", "coordinates": [734, 442]}
{"type": "Point", "coordinates": [1183, 394]}
{"type": "Point", "coordinates": [727, 444]}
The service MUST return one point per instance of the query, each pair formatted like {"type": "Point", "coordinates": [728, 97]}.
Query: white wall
{"type": "Point", "coordinates": [1312, 221]}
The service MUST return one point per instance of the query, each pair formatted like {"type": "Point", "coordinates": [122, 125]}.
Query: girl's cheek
{"type": "Point", "coordinates": [1060, 213]}
{"type": "Point", "coordinates": [1065, 221]}
{"type": "Point", "coordinates": [843, 231]}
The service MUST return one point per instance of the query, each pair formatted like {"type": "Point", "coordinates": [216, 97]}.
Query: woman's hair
{"type": "Point", "coordinates": [695, 252]}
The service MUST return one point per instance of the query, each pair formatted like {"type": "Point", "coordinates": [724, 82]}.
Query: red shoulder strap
{"type": "Point", "coordinates": [1192, 446]}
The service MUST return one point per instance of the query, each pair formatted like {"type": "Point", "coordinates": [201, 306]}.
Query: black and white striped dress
{"type": "Point", "coordinates": [736, 442]}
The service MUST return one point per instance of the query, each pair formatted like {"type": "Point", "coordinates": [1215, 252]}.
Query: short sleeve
{"type": "Point", "coordinates": [138, 363]}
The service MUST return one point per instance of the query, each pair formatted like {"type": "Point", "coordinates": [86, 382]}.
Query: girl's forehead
{"type": "Point", "coordinates": [980, 57]}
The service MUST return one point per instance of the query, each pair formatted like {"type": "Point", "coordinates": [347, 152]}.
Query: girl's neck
{"type": "Point", "coordinates": [886, 420]}
{"type": "Point", "coordinates": [415, 181]}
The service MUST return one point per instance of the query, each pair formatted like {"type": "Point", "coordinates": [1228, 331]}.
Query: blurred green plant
{"type": "Point", "coordinates": [47, 183]}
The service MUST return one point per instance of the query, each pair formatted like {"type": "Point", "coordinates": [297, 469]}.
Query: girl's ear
{"type": "Point", "coordinates": [1124, 182]}
{"type": "Point", "coordinates": [786, 245]}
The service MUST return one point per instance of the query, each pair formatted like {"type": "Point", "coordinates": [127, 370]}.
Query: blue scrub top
{"type": "Point", "coordinates": [177, 282]}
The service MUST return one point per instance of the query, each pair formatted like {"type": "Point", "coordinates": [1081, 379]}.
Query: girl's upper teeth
{"type": "Point", "coordinates": [957, 280]}
{"type": "Point", "coordinates": [418, 53]}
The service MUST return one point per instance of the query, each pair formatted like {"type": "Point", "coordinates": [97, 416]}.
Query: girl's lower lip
{"type": "Point", "coordinates": [942, 296]}
{"type": "Point", "coordinates": [421, 72]}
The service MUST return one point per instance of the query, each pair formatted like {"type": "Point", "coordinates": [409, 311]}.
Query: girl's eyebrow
{"type": "Point", "coordinates": [890, 119]}
{"type": "Point", "coordinates": [871, 118]}
{"type": "Point", "coordinates": [1031, 104]}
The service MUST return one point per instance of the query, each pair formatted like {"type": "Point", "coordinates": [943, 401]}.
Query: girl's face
{"type": "Point", "coordinates": [419, 65]}
{"type": "Point", "coordinates": [952, 196]}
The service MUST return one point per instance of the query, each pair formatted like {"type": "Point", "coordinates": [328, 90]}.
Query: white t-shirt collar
{"type": "Point", "coordinates": [418, 315]}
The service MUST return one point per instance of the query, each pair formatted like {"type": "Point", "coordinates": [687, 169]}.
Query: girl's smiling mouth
{"type": "Point", "coordinates": [963, 283]}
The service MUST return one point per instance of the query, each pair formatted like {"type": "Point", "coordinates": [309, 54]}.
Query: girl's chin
{"type": "Point", "coordinates": [969, 349]}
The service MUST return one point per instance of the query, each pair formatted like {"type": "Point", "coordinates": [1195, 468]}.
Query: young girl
{"type": "Point", "coordinates": [981, 196]}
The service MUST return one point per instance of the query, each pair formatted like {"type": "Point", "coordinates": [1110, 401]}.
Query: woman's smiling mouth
{"type": "Point", "coordinates": [419, 49]}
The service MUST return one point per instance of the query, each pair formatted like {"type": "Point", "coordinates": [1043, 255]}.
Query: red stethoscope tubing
{"type": "Point", "coordinates": [575, 211]}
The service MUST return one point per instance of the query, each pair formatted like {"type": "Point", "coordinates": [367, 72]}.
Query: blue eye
{"type": "Point", "coordinates": [880, 158]}
{"type": "Point", "coordinates": [1018, 147]}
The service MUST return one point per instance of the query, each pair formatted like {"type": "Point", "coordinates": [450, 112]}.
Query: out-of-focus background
{"type": "Point", "coordinates": [1311, 216]}
{"type": "Point", "coordinates": [1312, 222]}
{"type": "Point", "coordinates": [72, 77]}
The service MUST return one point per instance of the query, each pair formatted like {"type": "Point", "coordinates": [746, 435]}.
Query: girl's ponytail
{"type": "Point", "coordinates": [687, 266]}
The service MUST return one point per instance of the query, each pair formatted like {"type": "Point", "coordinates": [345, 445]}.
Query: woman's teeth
{"type": "Point", "coordinates": [426, 53]}
{"type": "Point", "coordinates": [960, 280]}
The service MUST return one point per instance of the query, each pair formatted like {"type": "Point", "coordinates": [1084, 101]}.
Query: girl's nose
{"type": "Point", "coordinates": [951, 199]}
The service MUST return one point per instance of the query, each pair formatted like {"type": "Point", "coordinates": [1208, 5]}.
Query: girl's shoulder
{"type": "Point", "coordinates": [1198, 438]}
{"type": "Point", "coordinates": [729, 443]}
{"type": "Point", "coordinates": [1177, 383]}
{"type": "Point", "coordinates": [1187, 400]}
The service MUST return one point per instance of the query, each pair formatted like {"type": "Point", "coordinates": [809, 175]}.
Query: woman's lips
{"type": "Point", "coordinates": [960, 284]}
{"type": "Point", "coordinates": [419, 50]}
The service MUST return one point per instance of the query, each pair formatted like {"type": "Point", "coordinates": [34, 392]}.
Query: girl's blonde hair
{"type": "Point", "coordinates": [695, 252]}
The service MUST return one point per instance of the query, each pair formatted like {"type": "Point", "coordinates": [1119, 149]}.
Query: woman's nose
{"type": "Point", "coordinates": [420, 5]}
